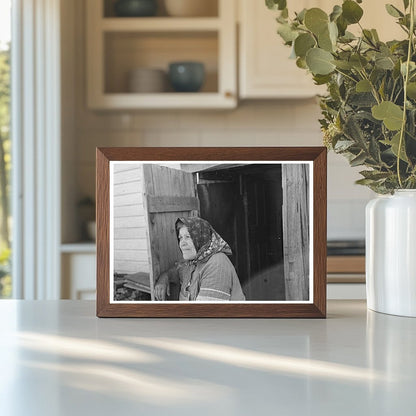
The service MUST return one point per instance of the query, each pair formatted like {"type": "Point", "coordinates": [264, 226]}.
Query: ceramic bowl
{"type": "Point", "coordinates": [186, 76]}
{"type": "Point", "coordinates": [147, 80]}
{"type": "Point", "coordinates": [135, 8]}
{"type": "Point", "coordinates": [191, 8]}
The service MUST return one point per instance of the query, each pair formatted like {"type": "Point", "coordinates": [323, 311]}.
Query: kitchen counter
{"type": "Point", "coordinates": [57, 358]}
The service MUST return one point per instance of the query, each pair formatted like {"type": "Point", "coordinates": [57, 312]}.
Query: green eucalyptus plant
{"type": "Point", "coordinates": [369, 112]}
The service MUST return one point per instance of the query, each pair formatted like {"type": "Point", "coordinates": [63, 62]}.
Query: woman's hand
{"type": "Point", "coordinates": [162, 290]}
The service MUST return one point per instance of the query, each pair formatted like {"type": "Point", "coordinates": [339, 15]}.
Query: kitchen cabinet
{"type": "Point", "coordinates": [265, 70]}
{"type": "Point", "coordinates": [118, 45]}
{"type": "Point", "coordinates": [78, 263]}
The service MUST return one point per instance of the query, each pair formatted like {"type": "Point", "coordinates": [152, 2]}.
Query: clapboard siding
{"type": "Point", "coordinates": [131, 244]}
{"type": "Point", "coordinates": [127, 233]}
{"type": "Point", "coordinates": [128, 211]}
{"type": "Point", "coordinates": [123, 266]}
{"type": "Point", "coordinates": [126, 200]}
{"type": "Point", "coordinates": [127, 188]}
{"type": "Point", "coordinates": [126, 176]}
{"type": "Point", "coordinates": [129, 222]}
{"type": "Point", "coordinates": [131, 253]}
{"type": "Point", "coordinates": [122, 167]}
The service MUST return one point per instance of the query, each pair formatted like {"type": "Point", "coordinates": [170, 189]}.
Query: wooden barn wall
{"type": "Point", "coordinates": [295, 181]}
{"type": "Point", "coordinates": [169, 193]}
{"type": "Point", "coordinates": [130, 235]}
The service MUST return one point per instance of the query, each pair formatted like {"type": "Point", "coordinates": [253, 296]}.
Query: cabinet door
{"type": "Point", "coordinates": [78, 276]}
{"type": "Point", "coordinates": [265, 68]}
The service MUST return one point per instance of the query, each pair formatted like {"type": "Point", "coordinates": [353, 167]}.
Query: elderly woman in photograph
{"type": "Point", "coordinates": [206, 274]}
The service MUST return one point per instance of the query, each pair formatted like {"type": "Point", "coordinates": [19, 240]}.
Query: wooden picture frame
{"type": "Point", "coordinates": [248, 173]}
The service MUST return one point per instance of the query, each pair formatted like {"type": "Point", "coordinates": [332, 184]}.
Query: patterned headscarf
{"type": "Point", "coordinates": [206, 240]}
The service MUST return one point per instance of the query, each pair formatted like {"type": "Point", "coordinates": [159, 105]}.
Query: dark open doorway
{"type": "Point", "coordinates": [244, 204]}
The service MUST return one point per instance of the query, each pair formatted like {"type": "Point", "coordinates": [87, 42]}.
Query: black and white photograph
{"type": "Point", "coordinates": [211, 232]}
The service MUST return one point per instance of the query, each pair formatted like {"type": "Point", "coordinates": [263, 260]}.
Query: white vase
{"type": "Point", "coordinates": [391, 253]}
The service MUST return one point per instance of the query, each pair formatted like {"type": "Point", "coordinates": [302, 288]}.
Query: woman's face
{"type": "Point", "coordinates": [186, 244]}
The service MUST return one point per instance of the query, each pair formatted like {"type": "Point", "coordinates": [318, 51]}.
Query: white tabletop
{"type": "Point", "coordinates": [57, 358]}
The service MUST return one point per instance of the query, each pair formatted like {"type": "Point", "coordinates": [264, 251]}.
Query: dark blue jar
{"type": "Point", "coordinates": [135, 8]}
{"type": "Point", "coordinates": [186, 76]}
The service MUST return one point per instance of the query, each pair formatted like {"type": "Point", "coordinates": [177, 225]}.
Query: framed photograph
{"type": "Point", "coordinates": [211, 232]}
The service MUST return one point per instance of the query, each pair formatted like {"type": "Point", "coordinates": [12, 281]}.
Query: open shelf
{"type": "Point", "coordinates": [118, 45]}
{"type": "Point", "coordinates": [126, 51]}
{"type": "Point", "coordinates": [160, 24]}
{"type": "Point", "coordinates": [209, 9]}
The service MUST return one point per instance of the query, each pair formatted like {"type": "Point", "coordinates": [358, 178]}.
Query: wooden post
{"type": "Point", "coordinates": [296, 230]}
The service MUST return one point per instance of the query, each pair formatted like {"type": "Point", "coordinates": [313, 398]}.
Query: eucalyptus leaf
{"type": "Point", "coordinates": [382, 89]}
{"type": "Point", "coordinates": [319, 61]}
{"type": "Point", "coordinates": [354, 132]}
{"type": "Point", "coordinates": [363, 86]}
{"type": "Point", "coordinates": [336, 12]}
{"type": "Point", "coordinates": [345, 65]}
{"type": "Point", "coordinates": [393, 11]}
{"type": "Point", "coordinates": [388, 112]}
{"type": "Point", "coordinates": [374, 150]}
{"type": "Point", "coordinates": [287, 33]}
{"type": "Point", "coordinates": [375, 35]}
{"type": "Point", "coordinates": [351, 11]}
{"type": "Point", "coordinates": [358, 61]}
{"type": "Point", "coordinates": [342, 25]}
{"type": "Point", "coordinates": [301, 15]}
{"type": "Point", "coordinates": [281, 19]}
{"type": "Point", "coordinates": [377, 75]}
{"type": "Point", "coordinates": [316, 20]}
{"type": "Point", "coordinates": [358, 160]}
{"type": "Point", "coordinates": [301, 63]}
{"type": "Point", "coordinates": [384, 62]}
{"type": "Point", "coordinates": [347, 37]}
{"type": "Point", "coordinates": [333, 32]}
{"type": "Point", "coordinates": [303, 43]}
{"type": "Point", "coordinates": [321, 79]}
{"type": "Point", "coordinates": [405, 21]}
{"type": "Point", "coordinates": [403, 68]}
{"type": "Point", "coordinates": [365, 182]}
{"type": "Point", "coordinates": [368, 36]}
{"type": "Point", "coordinates": [343, 145]}
{"type": "Point", "coordinates": [276, 4]}
{"type": "Point", "coordinates": [325, 42]}
{"type": "Point", "coordinates": [394, 143]}
{"type": "Point", "coordinates": [396, 70]}
{"type": "Point", "coordinates": [411, 90]}
{"type": "Point", "coordinates": [411, 119]}
{"type": "Point", "coordinates": [374, 174]}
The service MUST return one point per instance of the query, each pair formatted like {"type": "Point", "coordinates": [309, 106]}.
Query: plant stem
{"type": "Point", "coordinates": [373, 88]}
{"type": "Point", "coordinates": [406, 79]}
{"type": "Point", "coordinates": [346, 75]}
